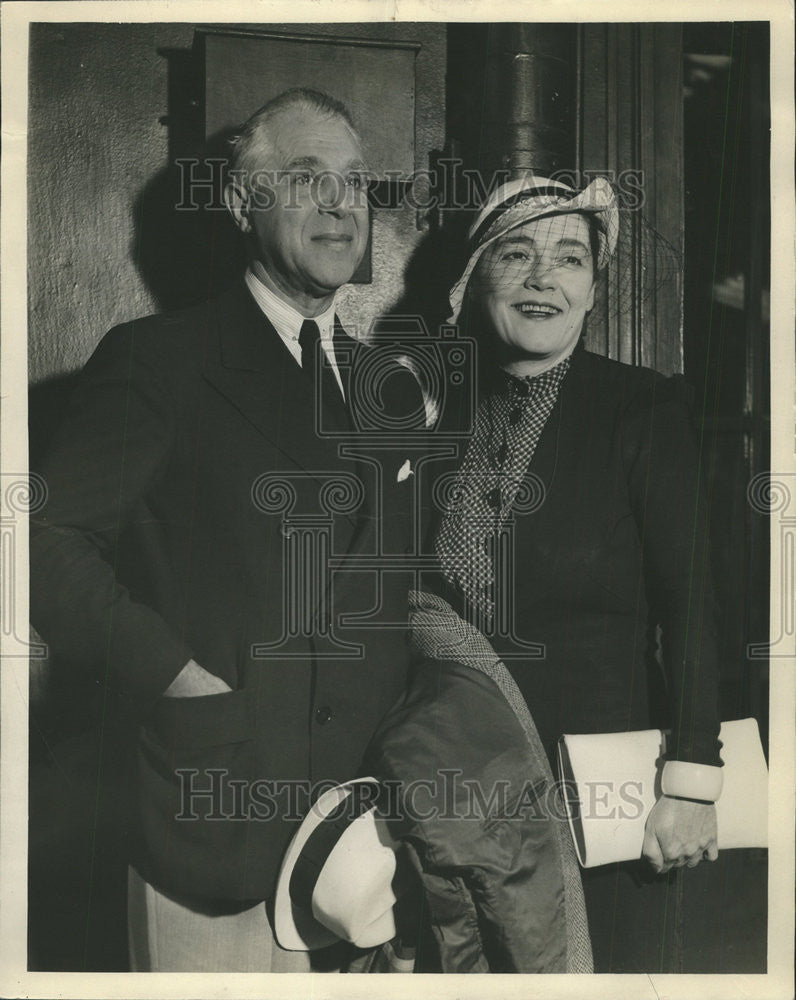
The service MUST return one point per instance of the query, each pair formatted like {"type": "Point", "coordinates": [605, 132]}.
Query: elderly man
{"type": "Point", "coordinates": [195, 491]}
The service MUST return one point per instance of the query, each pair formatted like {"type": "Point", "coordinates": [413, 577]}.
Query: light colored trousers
{"type": "Point", "coordinates": [165, 935]}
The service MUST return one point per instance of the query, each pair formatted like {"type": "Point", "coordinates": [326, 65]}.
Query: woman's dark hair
{"type": "Point", "coordinates": [596, 230]}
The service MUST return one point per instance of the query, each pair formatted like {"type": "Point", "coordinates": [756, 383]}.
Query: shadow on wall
{"type": "Point", "coordinates": [183, 255]}
{"type": "Point", "coordinates": [434, 266]}
{"type": "Point", "coordinates": [184, 244]}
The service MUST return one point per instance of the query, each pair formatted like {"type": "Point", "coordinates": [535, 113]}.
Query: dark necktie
{"type": "Point", "coordinates": [308, 342]}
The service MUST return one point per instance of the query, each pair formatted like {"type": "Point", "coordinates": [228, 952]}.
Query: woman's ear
{"type": "Point", "coordinates": [237, 201]}
{"type": "Point", "coordinates": [590, 300]}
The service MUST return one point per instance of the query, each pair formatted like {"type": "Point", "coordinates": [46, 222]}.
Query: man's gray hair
{"type": "Point", "coordinates": [252, 143]}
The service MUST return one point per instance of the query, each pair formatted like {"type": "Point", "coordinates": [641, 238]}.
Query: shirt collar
{"type": "Point", "coordinates": [520, 388]}
{"type": "Point", "coordinates": [286, 320]}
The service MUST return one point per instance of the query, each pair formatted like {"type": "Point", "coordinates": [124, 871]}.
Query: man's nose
{"type": "Point", "coordinates": [331, 194]}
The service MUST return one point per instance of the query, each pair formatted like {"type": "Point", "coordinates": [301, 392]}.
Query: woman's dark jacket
{"type": "Point", "coordinates": [617, 546]}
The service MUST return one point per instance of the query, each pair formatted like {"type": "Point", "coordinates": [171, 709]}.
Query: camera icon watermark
{"type": "Point", "coordinates": [443, 366]}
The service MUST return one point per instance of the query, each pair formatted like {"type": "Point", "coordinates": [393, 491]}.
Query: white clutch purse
{"type": "Point", "coordinates": [612, 780]}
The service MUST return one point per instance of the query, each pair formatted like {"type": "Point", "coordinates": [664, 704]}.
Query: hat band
{"type": "Point", "coordinates": [550, 190]}
{"type": "Point", "coordinates": [323, 839]}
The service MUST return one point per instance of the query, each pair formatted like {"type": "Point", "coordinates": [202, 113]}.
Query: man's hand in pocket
{"type": "Point", "coordinates": [193, 681]}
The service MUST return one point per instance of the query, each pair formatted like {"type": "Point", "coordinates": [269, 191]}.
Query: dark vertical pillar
{"type": "Point", "coordinates": [757, 401]}
{"type": "Point", "coordinates": [529, 112]}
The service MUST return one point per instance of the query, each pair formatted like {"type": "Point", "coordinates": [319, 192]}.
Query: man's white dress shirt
{"type": "Point", "coordinates": [287, 322]}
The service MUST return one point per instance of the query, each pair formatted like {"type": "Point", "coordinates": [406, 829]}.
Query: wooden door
{"type": "Point", "coordinates": [629, 128]}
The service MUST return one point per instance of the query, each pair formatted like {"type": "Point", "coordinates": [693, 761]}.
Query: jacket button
{"type": "Point", "coordinates": [323, 715]}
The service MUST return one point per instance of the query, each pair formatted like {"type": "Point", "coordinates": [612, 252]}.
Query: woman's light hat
{"type": "Point", "coordinates": [527, 198]}
{"type": "Point", "coordinates": [336, 879]}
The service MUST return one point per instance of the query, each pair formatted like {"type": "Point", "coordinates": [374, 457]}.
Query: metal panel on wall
{"type": "Point", "coordinates": [375, 80]}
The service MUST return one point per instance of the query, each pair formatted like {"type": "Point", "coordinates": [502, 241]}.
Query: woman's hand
{"type": "Point", "coordinates": [680, 832]}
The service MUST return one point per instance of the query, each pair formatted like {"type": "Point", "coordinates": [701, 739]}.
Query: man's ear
{"type": "Point", "coordinates": [237, 201]}
{"type": "Point", "coordinates": [590, 303]}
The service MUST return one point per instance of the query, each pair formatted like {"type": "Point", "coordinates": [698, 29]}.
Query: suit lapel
{"type": "Point", "coordinates": [344, 350]}
{"type": "Point", "coordinates": [256, 373]}
{"type": "Point", "coordinates": [253, 369]}
{"type": "Point", "coordinates": [565, 425]}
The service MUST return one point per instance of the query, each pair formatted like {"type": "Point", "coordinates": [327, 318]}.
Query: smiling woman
{"type": "Point", "coordinates": [569, 591]}
{"type": "Point", "coordinates": [536, 285]}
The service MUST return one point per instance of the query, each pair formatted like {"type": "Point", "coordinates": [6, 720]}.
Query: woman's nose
{"type": "Point", "coordinates": [540, 275]}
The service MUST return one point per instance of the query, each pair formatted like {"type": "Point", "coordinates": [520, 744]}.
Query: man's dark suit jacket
{"type": "Point", "coordinates": [160, 541]}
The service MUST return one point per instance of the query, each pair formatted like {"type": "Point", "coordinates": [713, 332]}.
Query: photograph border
{"type": "Point", "coordinates": [15, 980]}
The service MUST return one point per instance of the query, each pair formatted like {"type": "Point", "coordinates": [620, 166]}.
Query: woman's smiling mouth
{"type": "Point", "coordinates": [539, 310]}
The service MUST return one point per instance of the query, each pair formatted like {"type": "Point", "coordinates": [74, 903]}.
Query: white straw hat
{"type": "Point", "coordinates": [527, 198]}
{"type": "Point", "coordinates": [336, 879]}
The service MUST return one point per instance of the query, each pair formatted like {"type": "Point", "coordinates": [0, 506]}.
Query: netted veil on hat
{"type": "Point", "coordinates": [527, 198]}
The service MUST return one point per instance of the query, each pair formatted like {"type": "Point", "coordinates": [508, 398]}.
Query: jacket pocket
{"type": "Point", "coordinates": [197, 760]}
{"type": "Point", "coordinates": [205, 721]}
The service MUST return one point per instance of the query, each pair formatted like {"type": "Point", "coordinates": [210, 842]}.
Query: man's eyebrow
{"type": "Point", "coordinates": [315, 163]}
{"type": "Point", "coordinates": [303, 161]}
